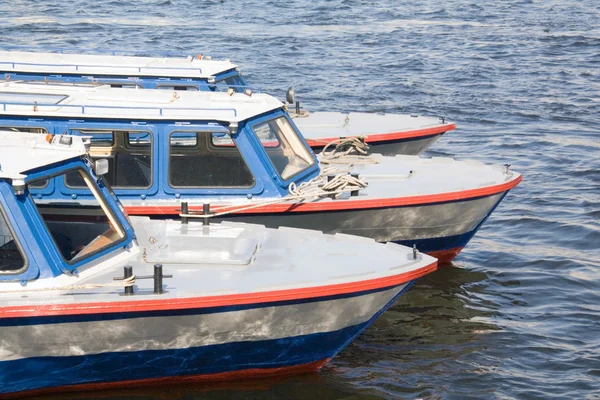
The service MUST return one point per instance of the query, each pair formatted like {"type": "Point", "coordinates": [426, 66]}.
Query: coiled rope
{"type": "Point", "coordinates": [318, 187]}
{"type": "Point", "coordinates": [353, 150]}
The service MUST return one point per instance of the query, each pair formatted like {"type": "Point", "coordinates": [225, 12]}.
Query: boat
{"type": "Point", "coordinates": [92, 298]}
{"type": "Point", "coordinates": [387, 134]}
{"type": "Point", "coordinates": [242, 156]}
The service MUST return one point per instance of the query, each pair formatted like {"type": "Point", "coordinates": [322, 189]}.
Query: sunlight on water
{"type": "Point", "coordinates": [517, 315]}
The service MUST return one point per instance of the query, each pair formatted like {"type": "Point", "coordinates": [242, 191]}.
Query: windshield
{"type": "Point", "coordinates": [235, 81]}
{"type": "Point", "coordinates": [80, 230]}
{"type": "Point", "coordinates": [287, 152]}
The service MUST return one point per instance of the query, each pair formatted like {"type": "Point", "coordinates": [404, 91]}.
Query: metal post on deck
{"type": "Point", "coordinates": [128, 273]}
{"type": "Point", "coordinates": [158, 279]}
{"type": "Point", "coordinates": [205, 211]}
{"type": "Point", "coordinates": [184, 211]}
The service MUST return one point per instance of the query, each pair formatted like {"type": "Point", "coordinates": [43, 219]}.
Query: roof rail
{"type": "Point", "coordinates": [161, 111]}
{"type": "Point", "coordinates": [101, 51]}
{"type": "Point", "coordinates": [77, 67]}
{"type": "Point", "coordinates": [52, 79]}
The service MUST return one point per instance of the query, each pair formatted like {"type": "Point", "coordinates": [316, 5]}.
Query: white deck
{"type": "Point", "coordinates": [57, 63]}
{"type": "Point", "coordinates": [283, 258]}
{"type": "Point", "coordinates": [392, 177]}
{"type": "Point", "coordinates": [105, 102]}
{"type": "Point", "coordinates": [20, 152]}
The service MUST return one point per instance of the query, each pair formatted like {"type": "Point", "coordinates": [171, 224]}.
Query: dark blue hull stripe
{"type": "Point", "coordinates": [448, 242]}
{"type": "Point", "coordinates": [111, 316]}
{"type": "Point", "coordinates": [439, 244]}
{"type": "Point", "coordinates": [46, 372]}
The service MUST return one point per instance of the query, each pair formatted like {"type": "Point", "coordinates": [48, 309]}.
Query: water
{"type": "Point", "coordinates": [518, 314]}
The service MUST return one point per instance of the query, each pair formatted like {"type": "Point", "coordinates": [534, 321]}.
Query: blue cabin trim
{"type": "Point", "coordinates": [267, 182]}
{"type": "Point", "coordinates": [44, 259]}
{"type": "Point", "coordinates": [146, 82]}
{"type": "Point", "coordinates": [305, 175]}
{"type": "Point", "coordinates": [22, 234]}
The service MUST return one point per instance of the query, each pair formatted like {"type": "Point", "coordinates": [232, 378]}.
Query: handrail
{"type": "Point", "coordinates": [163, 81]}
{"type": "Point", "coordinates": [255, 89]}
{"type": "Point", "coordinates": [36, 106]}
{"type": "Point", "coordinates": [83, 66]}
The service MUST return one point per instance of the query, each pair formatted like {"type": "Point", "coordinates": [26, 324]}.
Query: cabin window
{"type": "Point", "coordinates": [126, 85]}
{"type": "Point", "coordinates": [129, 155]}
{"type": "Point", "coordinates": [286, 151]}
{"type": "Point", "coordinates": [190, 88]}
{"type": "Point", "coordinates": [24, 129]}
{"type": "Point", "coordinates": [12, 260]}
{"type": "Point", "coordinates": [81, 230]}
{"type": "Point", "coordinates": [194, 162]}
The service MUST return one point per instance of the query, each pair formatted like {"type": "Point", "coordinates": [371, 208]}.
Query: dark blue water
{"type": "Point", "coordinates": [518, 314]}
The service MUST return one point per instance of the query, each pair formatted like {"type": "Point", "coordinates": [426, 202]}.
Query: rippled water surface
{"type": "Point", "coordinates": [518, 314]}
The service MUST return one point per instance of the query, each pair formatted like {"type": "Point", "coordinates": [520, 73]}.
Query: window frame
{"type": "Point", "coordinates": [129, 84]}
{"type": "Point", "coordinates": [187, 84]}
{"type": "Point", "coordinates": [309, 170]}
{"type": "Point", "coordinates": [17, 240]}
{"type": "Point", "coordinates": [229, 189]}
{"type": "Point", "coordinates": [126, 145]}
{"type": "Point", "coordinates": [223, 76]}
{"type": "Point", "coordinates": [107, 209]}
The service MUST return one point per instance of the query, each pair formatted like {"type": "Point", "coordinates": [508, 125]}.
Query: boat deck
{"type": "Point", "coordinates": [232, 262]}
{"type": "Point", "coordinates": [330, 125]}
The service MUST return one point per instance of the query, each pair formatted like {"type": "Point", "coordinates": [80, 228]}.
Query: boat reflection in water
{"type": "Point", "coordinates": [438, 331]}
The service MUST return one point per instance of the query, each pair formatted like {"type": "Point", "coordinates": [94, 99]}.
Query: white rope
{"type": "Point", "coordinates": [346, 146]}
{"type": "Point", "coordinates": [319, 186]}
{"type": "Point", "coordinates": [126, 282]}
{"type": "Point", "coordinates": [349, 151]}
{"type": "Point", "coordinates": [311, 190]}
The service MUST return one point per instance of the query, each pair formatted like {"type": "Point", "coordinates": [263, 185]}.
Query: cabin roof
{"type": "Point", "coordinates": [58, 63]}
{"type": "Point", "coordinates": [93, 101]}
{"type": "Point", "coordinates": [21, 152]}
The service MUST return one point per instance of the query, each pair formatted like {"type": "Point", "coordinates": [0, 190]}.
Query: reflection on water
{"type": "Point", "coordinates": [301, 387]}
{"type": "Point", "coordinates": [432, 330]}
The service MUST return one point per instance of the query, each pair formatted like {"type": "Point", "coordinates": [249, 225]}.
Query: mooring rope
{"type": "Point", "coordinates": [125, 282]}
{"type": "Point", "coordinates": [332, 180]}
{"type": "Point", "coordinates": [314, 189]}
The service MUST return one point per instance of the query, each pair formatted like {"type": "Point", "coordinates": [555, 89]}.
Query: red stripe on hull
{"type": "Point", "coordinates": [386, 137]}
{"type": "Point", "coordinates": [345, 205]}
{"type": "Point", "coordinates": [445, 256]}
{"type": "Point", "coordinates": [214, 301]}
{"type": "Point", "coordinates": [253, 373]}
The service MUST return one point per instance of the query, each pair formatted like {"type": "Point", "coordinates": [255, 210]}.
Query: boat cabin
{"type": "Point", "coordinates": [166, 145]}
{"type": "Point", "coordinates": [191, 73]}
{"type": "Point", "coordinates": [41, 238]}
